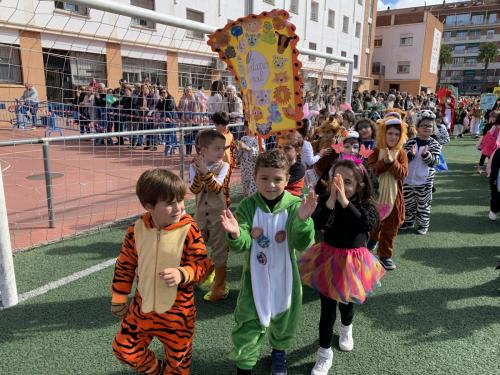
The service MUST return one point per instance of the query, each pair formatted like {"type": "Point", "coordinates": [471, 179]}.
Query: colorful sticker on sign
{"type": "Point", "coordinates": [261, 51]}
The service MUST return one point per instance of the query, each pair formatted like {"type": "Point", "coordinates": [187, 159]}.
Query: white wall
{"type": "Point", "coordinates": [391, 52]}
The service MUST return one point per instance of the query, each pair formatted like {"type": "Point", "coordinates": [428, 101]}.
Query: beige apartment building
{"type": "Point", "coordinates": [406, 51]}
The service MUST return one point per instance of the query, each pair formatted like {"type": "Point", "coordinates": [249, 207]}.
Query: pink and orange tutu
{"type": "Point", "coordinates": [344, 275]}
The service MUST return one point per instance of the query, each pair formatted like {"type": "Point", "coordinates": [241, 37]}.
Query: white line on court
{"type": "Point", "coordinates": [65, 280]}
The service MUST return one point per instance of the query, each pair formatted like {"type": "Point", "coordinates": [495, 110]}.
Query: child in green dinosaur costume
{"type": "Point", "coordinates": [270, 226]}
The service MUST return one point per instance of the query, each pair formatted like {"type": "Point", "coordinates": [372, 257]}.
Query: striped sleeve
{"type": "Point", "coordinates": [195, 261]}
{"type": "Point", "coordinates": [216, 182]}
{"type": "Point", "coordinates": [195, 182]}
{"type": "Point", "coordinates": [126, 265]}
{"type": "Point", "coordinates": [432, 158]}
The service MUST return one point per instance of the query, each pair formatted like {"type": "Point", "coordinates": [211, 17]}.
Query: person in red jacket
{"type": "Point", "coordinates": [447, 103]}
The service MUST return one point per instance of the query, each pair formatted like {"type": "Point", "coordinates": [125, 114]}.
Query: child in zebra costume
{"type": "Point", "coordinates": [423, 154]}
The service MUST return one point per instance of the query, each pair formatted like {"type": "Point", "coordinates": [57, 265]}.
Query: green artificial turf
{"type": "Point", "coordinates": [438, 313]}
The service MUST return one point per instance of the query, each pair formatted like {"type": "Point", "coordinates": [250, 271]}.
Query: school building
{"type": "Point", "coordinates": [58, 46]}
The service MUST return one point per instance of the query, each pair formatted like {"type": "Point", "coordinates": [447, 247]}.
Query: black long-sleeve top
{"type": "Point", "coordinates": [495, 169]}
{"type": "Point", "coordinates": [346, 227]}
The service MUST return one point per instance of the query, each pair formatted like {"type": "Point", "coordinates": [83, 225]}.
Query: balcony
{"type": "Point", "coordinates": [470, 23]}
{"type": "Point", "coordinates": [466, 53]}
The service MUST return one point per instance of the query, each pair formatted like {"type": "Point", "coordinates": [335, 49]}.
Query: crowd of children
{"type": "Point", "coordinates": [315, 208]}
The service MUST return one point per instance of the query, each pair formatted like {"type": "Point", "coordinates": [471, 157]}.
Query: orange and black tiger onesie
{"type": "Point", "coordinates": [156, 310]}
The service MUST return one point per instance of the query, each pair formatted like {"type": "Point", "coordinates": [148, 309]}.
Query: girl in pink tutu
{"type": "Point", "coordinates": [341, 268]}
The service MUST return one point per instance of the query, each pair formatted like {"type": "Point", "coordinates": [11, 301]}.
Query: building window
{"type": "Point", "coordinates": [447, 36]}
{"type": "Point", "coordinates": [313, 47]}
{"type": "Point", "coordinates": [194, 15]}
{"type": "Point", "coordinates": [371, 8]}
{"type": "Point", "coordinates": [345, 25]}
{"type": "Point", "coordinates": [10, 65]}
{"type": "Point", "coordinates": [195, 75]}
{"type": "Point", "coordinates": [138, 70]}
{"type": "Point", "coordinates": [477, 19]}
{"type": "Point", "coordinates": [355, 58]}
{"type": "Point", "coordinates": [141, 22]}
{"type": "Point", "coordinates": [475, 34]}
{"type": "Point", "coordinates": [294, 6]}
{"type": "Point", "coordinates": [490, 34]}
{"type": "Point", "coordinates": [450, 20]}
{"type": "Point", "coordinates": [367, 64]}
{"type": "Point", "coordinates": [314, 11]}
{"type": "Point", "coordinates": [358, 29]}
{"type": "Point", "coordinates": [73, 8]}
{"type": "Point", "coordinates": [463, 19]}
{"type": "Point", "coordinates": [270, 2]}
{"type": "Point", "coordinates": [461, 35]}
{"type": "Point", "coordinates": [360, 2]}
{"type": "Point", "coordinates": [376, 68]}
{"type": "Point", "coordinates": [473, 48]}
{"type": "Point", "coordinates": [404, 67]}
{"type": "Point", "coordinates": [406, 40]}
{"type": "Point", "coordinates": [331, 18]}
{"type": "Point", "coordinates": [378, 42]}
{"type": "Point", "coordinates": [492, 18]}
{"type": "Point", "coordinates": [343, 54]}
{"type": "Point", "coordinates": [459, 48]}
{"type": "Point", "coordinates": [376, 82]}
{"type": "Point", "coordinates": [470, 61]}
{"type": "Point", "coordinates": [329, 50]}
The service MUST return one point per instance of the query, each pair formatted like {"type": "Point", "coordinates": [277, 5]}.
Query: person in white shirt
{"type": "Point", "coordinates": [30, 100]}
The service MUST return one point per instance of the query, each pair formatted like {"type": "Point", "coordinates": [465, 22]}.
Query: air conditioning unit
{"type": "Point", "coordinates": [220, 65]}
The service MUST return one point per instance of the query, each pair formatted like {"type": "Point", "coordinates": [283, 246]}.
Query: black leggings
{"type": "Point", "coordinates": [482, 159]}
{"type": "Point", "coordinates": [327, 319]}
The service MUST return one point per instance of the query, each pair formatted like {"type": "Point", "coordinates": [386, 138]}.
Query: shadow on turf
{"type": "Point", "coordinates": [436, 314]}
{"type": "Point", "coordinates": [448, 222]}
{"type": "Point", "coordinates": [99, 250]}
{"type": "Point", "coordinates": [456, 259]}
{"type": "Point", "coordinates": [19, 322]}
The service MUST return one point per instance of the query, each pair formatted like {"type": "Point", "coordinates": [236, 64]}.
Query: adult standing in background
{"type": "Point", "coordinates": [215, 102]}
{"type": "Point", "coordinates": [233, 104]}
{"type": "Point", "coordinates": [30, 100]}
{"type": "Point", "coordinates": [188, 105]}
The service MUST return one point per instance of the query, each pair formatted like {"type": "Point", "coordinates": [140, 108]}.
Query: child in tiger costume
{"type": "Point", "coordinates": [165, 249]}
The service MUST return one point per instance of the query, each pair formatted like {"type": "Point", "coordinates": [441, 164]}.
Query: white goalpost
{"type": "Point", "coordinates": [8, 288]}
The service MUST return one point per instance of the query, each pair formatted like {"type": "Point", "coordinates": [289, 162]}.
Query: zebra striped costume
{"type": "Point", "coordinates": [417, 187]}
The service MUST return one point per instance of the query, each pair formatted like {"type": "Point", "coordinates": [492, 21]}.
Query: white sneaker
{"type": "Point", "coordinates": [346, 343]}
{"type": "Point", "coordinates": [492, 216]}
{"type": "Point", "coordinates": [324, 362]}
{"type": "Point", "coordinates": [422, 231]}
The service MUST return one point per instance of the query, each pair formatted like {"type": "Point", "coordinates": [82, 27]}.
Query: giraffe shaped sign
{"type": "Point", "coordinates": [261, 51]}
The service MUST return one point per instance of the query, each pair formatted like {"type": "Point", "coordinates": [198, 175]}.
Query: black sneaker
{"type": "Point", "coordinates": [278, 362]}
{"type": "Point", "coordinates": [406, 226]}
{"type": "Point", "coordinates": [387, 263]}
{"type": "Point", "coordinates": [240, 371]}
{"type": "Point", "coordinates": [371, 245]}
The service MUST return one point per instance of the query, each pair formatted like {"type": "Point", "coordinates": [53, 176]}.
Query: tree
{"type": "Point", "coordinates": [487, 53]}
{"type": "Point", "coordinates": [445, 54]}
{"type": "Point", "coordinates": [445, 57]}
